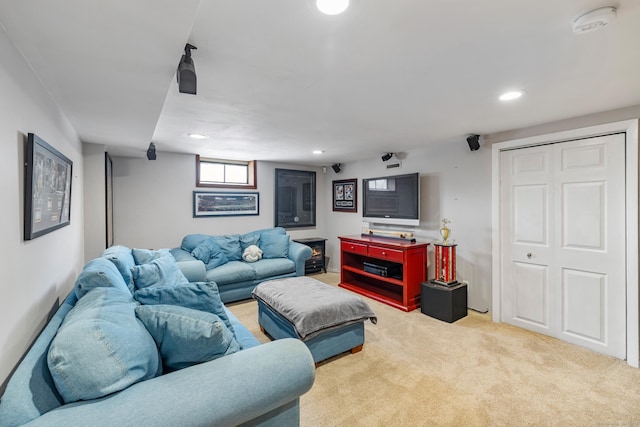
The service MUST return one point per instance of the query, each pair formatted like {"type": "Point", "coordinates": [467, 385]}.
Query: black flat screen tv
{"type": "Point", "coordinates": [392, 199]}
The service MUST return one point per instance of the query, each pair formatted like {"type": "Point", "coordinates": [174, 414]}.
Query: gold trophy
{"type": "Point", "coordinates": [445, 231]}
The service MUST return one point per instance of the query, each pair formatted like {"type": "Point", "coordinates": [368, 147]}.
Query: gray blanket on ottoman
{"type": "Point", "coordinates": [312, 306]}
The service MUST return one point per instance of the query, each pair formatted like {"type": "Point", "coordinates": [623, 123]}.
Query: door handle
{"type": "Point", "coordinates": [529, 255]}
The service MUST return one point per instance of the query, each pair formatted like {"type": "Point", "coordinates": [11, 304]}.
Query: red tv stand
{"type": "Point", "coordinates": [403, 291]}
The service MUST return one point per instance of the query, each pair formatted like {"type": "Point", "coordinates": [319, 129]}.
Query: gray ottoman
{"type": "Point", "coordinates": [329, 320]}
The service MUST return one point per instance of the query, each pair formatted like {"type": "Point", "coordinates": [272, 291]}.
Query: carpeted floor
{"type": "Point", "coordinates": [418, 371]}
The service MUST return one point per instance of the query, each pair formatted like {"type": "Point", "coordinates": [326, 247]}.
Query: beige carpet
{"type": "Point", "coordinates": [418, 371]}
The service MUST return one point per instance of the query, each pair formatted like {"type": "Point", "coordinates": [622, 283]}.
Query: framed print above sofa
{"type": "Point", "coordinates": [211, 203]}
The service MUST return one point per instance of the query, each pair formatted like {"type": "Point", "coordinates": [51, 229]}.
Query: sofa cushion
{"type": "Point", "coordinates": [231, 272]}
{"type": "Point", "coordinates": [97, 273]}
{"type": "Point", "coordinates": [101, 347]}
{"type": "Point", "coordinates": [244, 337]}
{"type": "Point", "coordinates": [190, 241]}
{"type": "Point", "coordinates": [145, 256]}
{"type": "Point", "coordinates": [249, 239]}
{"type": "Point", "coordinates": [274, 245]}
{"type": "Point", "coordinates": [123, 260]}
{"type": "Point", "coordinates": [202, 296]}
{"type": "Point", "coordinates": [268, 268]}
{"type": "Point", "coordinates": [210, 253]}
{"type": "Point", "coordinates": [159, 272]}
{"type": "Point", "coordinates": [230, 245]}
{"type": "Point", "coordinates": [186, 336]}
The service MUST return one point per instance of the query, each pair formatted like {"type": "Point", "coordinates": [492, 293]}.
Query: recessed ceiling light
{"type": "Point", "coordinates": [332, 7]}
{"type": "Point", "coordinates": [197, 135]}
{"type": "Point", "coordinates": [509, 96]}
{"type": "Point", "coordinates": [318, 151]}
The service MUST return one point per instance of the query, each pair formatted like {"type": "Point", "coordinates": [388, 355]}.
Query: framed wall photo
{"type": "Point", "coordinates": [47, 190]}
{"type": "Point", "coordinates": [345, 195]}
{"type": "Point", "coordinates": [211, 203]}
{"type": "Point", "coordinates": [295, 203]}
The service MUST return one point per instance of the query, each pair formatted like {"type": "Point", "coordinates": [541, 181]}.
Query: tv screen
{"type": "Point", "coordinates": [392, 199]}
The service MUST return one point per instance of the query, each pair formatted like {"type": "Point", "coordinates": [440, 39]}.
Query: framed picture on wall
{"type": "Point", "coordinates": [47, 190]}
{"type": "Point", "coordinates": [295, 201]}
{"type": "Point", "coordinates": [345, 195]}
{"type": "Point", "coordinates": [211, 203]}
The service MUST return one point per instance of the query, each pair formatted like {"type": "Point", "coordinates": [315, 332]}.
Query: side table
{"type": "Point", "coordinates": [446, 303]}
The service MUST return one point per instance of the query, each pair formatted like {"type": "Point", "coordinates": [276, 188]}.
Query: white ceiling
{"type": "Point", "coordinates": [277, 79]}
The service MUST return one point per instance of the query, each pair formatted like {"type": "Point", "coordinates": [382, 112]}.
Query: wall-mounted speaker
{"type": "Point", "coordinates": [151, 151]}
{"type": "Point", "coordinates": [474, 142]}
{"type": "Point", "coordinates": [336, 167]}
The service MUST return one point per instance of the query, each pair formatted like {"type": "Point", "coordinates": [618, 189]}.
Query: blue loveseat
{"type": "Point", "coordinates": [236, 278]}
{"type": "Point", "coordinates": [246, 383]}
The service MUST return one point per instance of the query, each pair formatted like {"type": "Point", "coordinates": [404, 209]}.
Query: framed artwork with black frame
{"type": "Point", "coordinates": [211, 203]}
{"type": "Point", "coordinates": [295, 203]}
{"type": "Point", "coordinates": [47, 189]}
{"type": "Point", "coordinates": [345, 195]}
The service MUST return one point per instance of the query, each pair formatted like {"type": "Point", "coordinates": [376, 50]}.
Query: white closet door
{"type": "Point", "coordinates": [563, 241]}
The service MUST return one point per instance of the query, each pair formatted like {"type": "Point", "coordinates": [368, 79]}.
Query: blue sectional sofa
{"type": "Point", "coordinates": [116, 353]}
{"type": "Point", "coordinates": [223, 256]}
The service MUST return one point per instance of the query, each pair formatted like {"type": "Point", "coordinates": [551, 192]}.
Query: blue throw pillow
{"type": "Point", "coordinates": [190, 241]}
{"type": "Point", "coordinates": [230, 245]}
{"type": "Point", "coordinates": [98, 273]}
{"type": "Point", "coordinates": [249, 239]}
{"type": "Point", "coordinates": [202, 296]}
{"type": "Point", "coordinates": [210, 253]}
{"type": "Point", "coordinates": [123, 260]}
{"type": "Point", "coordinates": [274, 245]}
{"type": "Point", "coordinates": [145, 256]}
{"type": "Point", "coordinates": [160, 272]}
{"type": "Point", "coordinates": [186, 336]}
{"type": "Point", "coordinates": [101, 347]}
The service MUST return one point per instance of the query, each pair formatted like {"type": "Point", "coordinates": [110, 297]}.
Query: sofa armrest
{"type": "Point", "coordinates": [194, 271]}
{"type": "Point", "coordinates": [299, 253]}
{"type": "Point", "coordinates": [227, 391]}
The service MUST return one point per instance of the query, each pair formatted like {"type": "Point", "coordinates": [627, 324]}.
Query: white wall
{"type": "Point", "coordinates": [153, 202]}
{"type": "Point", "coordinates": [34, 273]}
{"type": "Point", "coordinates": [95, 216]}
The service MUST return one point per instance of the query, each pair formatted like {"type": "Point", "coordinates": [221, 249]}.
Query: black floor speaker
{"type": "Point", "coordinates": [446, 303]}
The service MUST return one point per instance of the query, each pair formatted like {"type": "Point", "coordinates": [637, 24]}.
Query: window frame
{"type": "Point", "coordinates": [252, 181]}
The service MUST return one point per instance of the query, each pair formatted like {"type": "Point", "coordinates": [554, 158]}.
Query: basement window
{"type": "Point", "coordinates": [217, 173]}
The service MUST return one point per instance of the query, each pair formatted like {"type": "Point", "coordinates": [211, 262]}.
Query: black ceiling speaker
{"type": "Point", "coordinates": [474, 142]}
{"type": "Point", "coordinates": [336, 167]}
{"type": "Point", "coordinates": [186, 73]}
{"type": "Point", "coordinates": [386, 157]}
{"type": "Point", "coordinates": [151, 151]}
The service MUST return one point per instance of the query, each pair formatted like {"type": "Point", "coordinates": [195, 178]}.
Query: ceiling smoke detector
{"type": "Point", "coordinates": [594, 19]}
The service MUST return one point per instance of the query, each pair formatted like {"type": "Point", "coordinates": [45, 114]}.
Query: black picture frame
{"type": "Point", "coordinates": [295, 198]}
{"type": "Point", "coordinates": [212, 203]}
{"type": "Point", "coordinates": [345, 195]}
{"type": "Point", "coordinates": [47, 190]}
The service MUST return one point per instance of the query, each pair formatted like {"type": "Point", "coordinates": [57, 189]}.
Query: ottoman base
{"type": "Point", "coordinates": [327, 344]}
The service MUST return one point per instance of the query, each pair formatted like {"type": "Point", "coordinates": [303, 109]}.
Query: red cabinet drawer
{"type": "Point", "coordinates": [356, 248]}
{"type": "Point", "coordinates": [385, 253]}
